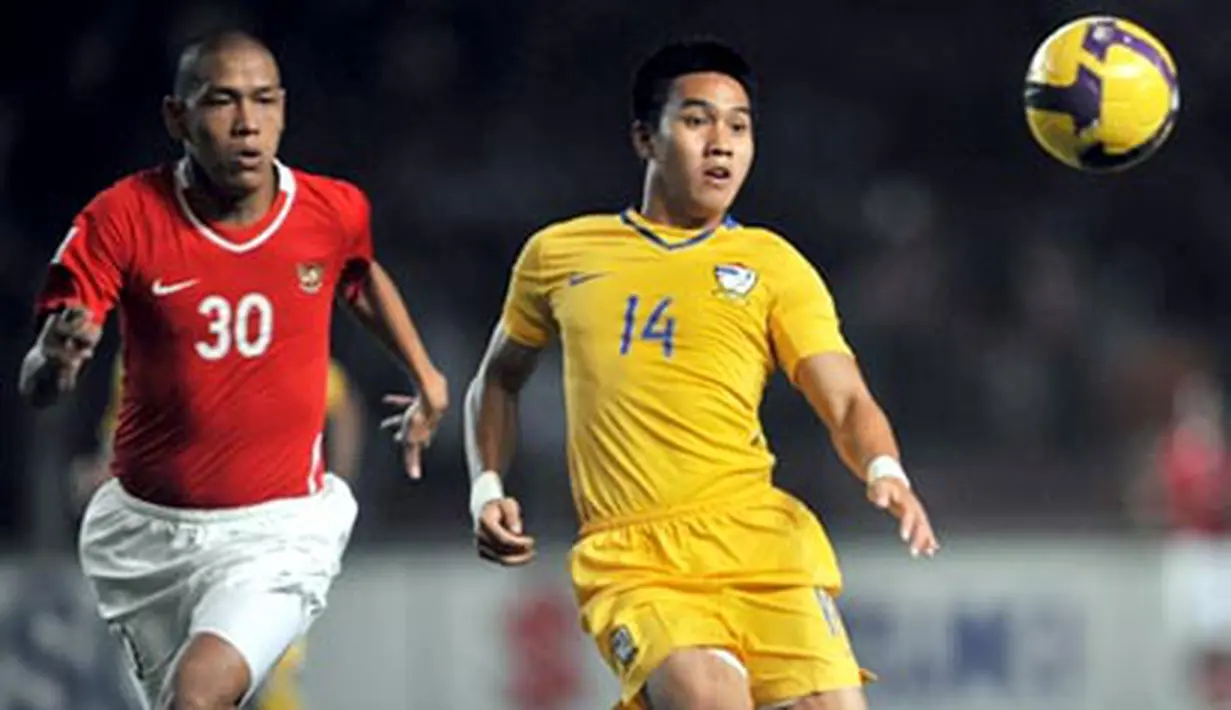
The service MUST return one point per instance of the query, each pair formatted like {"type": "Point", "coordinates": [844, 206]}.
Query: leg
{"type": "Point", "coordinates": [1214, 678]}
{"type": "Point", "coordinates": [210, 674]}
{"type": "Point", "coordinates": [843, 699]}
{"type": "Point", "coordinates": [237, 636]}
{"type": "Point", "coordinates": [281, 690]}
{"type": "Point", "coordinates": [797, 652]}
{"type": "Point", "coordinates": [699, 679]}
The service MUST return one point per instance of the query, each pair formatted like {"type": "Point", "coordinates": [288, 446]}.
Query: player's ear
{"type": "Point", "coordinates": [643, 140]}
{"type": "Point", "coordinates": [173, 110]}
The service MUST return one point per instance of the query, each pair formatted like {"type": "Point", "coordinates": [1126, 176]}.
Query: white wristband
{"type": "Point", "coordinates": [483, 490]}
{"type": "Point", "coordinates": [886, 467]}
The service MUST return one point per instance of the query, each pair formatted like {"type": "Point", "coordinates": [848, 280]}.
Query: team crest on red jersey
{"type": "Point", "coordinates": [311, 277]}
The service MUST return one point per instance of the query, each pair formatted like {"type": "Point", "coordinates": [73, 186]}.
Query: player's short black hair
{"type": "Point", "coordinates": [652, 80]}
{"type": "Point", "coordinates": [187, 72]}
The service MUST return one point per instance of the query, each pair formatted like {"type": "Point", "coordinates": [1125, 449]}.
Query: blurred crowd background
{"type": "Point", "coordinates": [1026, 325]}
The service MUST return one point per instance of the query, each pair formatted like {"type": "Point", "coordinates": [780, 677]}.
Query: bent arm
{"type": "Point", "coordinates": [50, 368]}
{"type": "Point", "coordinates": [42, 381]}
{"type": "Point", "coordinates": [490, 416]}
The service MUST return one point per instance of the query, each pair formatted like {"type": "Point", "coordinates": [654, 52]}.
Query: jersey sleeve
{"type": "Point", "coordinates": [527, 314]}
{"type": "Point", "coordinates": [356, 214]}
{"type": "Point", "coordinates": [803, 320]}
{"type": "Point", "coordinates": [88, 267]}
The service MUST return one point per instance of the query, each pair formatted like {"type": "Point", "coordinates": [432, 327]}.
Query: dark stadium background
{"type": "Point", "coordinates": [1024, 324]}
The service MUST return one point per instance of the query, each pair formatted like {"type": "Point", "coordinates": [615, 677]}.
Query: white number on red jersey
{"type": "Point", "coordinates": [235, 326]}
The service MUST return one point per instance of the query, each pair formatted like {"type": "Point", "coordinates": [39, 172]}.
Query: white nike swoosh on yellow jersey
{"type": "Point", "coordinates": [161, 289]}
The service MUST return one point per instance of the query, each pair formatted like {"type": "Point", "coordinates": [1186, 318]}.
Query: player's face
{"type": "Point", "coordinates": [703, 148]}
{"type": "Point", "coordinates": [232, 124]}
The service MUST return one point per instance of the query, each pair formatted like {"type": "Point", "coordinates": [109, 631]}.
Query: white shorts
{"type": "Point", "coordinates": [1197, 585]}
{"type": "Point", "coordinates": [256, 577]}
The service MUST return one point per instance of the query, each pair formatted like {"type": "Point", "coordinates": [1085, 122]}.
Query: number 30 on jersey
{"type": "Point", "coordinates": [247, 326]}
{"type": "Point", "coordinates": [656, 327]}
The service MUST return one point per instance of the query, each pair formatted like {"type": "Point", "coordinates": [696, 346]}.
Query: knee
{"type": "Point", "coordinates": [845, 699]}
{"type": "Point", "coordinates": [697, 694]}
{"type": "Point", "coordinates": [210, 675]}
{"type": "Point", "coordinates": [698, 680]}
{"type": "Point", "coordinates": [194, 691]}
{"type": "Point", "coordinates": [186, 702]}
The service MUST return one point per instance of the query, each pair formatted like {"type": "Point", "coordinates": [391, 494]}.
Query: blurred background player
{"type": "Point", "coordinates": [344, 425]}
{"type": "Point", "coordinates": [213, 548]}
{"type": "Point", "coordinates": [1184, 489]}
{"type": "Point", "coordinates": [703, 585]}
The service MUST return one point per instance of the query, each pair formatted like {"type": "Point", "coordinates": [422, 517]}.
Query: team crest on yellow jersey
{"type": "Point", "coordinates": [735, 281]}
{"type": "Point", "coordinates": [623, 648]}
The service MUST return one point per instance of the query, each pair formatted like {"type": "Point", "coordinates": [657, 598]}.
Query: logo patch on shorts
{"type": "Point", "coordinates": [830, 611]}
{"type": "Point", "coordinates": [623, 649]}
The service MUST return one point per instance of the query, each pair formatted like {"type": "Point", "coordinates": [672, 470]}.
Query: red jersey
{"type": "Point", "coordinates": [225, 331]}
{"type": "Point", "coordinates": [1197, 481]}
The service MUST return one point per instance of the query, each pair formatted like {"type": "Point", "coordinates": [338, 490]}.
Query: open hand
{"type": "Point", "coordinates": [414, 427]}
{"type": "Point", "coordinates": [895, 496]}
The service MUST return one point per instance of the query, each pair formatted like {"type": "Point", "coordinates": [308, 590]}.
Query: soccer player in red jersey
{"type": "Point", "coordinates": [214, 545]}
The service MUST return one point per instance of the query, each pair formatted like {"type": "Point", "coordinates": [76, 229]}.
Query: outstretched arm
{"type": "Point", "coordinates": [491, 432]}
{"type": "Point", "coordinates": [378, 305]}
{"type": "Point", "coordinates": [863, 437]}
{"type": "Point", "coordinates": [835, 388]}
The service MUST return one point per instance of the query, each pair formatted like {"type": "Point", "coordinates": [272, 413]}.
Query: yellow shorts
{"type": "Point", "coordinates": [281, 689]}
{"type": "Point", "coordinates": [751, 579]}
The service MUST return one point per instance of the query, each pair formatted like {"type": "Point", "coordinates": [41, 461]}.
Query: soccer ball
{"type": "Point", "coordinates": [1101, 94]}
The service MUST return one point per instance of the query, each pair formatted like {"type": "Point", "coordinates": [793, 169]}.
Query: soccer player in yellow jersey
{"type": "Point", "coordinates": [703, 585]}
{"type": "Point", "coordinates": [344, 443]}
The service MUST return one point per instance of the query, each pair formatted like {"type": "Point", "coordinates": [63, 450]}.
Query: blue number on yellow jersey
{"type": "Point", "coordinates": [668, 340]}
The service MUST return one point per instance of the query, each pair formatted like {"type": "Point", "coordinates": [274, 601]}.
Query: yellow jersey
{"type": "Point", "coordinates": [669, 337]}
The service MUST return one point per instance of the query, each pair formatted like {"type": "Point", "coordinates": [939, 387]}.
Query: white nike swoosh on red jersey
{"type": "Point", "coordinates": [161, 289]}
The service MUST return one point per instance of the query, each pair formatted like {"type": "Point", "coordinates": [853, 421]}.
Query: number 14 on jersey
{"type": "Point", "coordinates": [650, 324]}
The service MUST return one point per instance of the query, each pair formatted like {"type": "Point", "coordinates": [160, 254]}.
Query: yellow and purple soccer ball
{"type": "Point", "coordinates": [1101, 94]}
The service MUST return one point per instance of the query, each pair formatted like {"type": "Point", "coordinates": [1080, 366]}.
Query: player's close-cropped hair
{"type": "Point", "coordinates": [187, 76]}
{"type": "Point", "coordinates": [652, 80]}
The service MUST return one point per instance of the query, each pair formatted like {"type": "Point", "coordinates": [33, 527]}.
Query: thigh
{"type": "Point", "coordinates": [795, 645]}
{"type": "Point", "coordinates": [258, 626]}
{"type": "Point", "coordinates": [639, 629]}
{"type": "Point", "coordinates": [209, 672]}
{"type": "Point", "coordinates": [139, 578]}
{"type": "Point", "coordinates": [843, 699]}
{"type": "Point", "coordinates": [698, 678]}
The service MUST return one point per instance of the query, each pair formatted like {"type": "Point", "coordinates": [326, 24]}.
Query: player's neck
{"type": "Point", "coordinates": [225, 207]}
{"type": "Point", "coordinates": [656, 208]}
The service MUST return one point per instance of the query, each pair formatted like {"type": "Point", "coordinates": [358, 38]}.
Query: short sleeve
{"type": "Point", "coordinates": [87, 268]}
{"type": "Point", "coordinates": [803, 320]}
{"type": "Point", "coordinates": [527, 315]}
{"type": "Point", "coordinates": [356, 215]}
